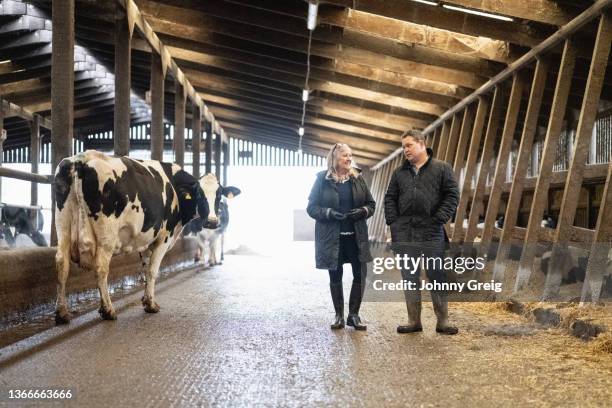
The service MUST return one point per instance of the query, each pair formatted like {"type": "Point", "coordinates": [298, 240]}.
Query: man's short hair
{"type": "Point", "coordinates": [416, 134]}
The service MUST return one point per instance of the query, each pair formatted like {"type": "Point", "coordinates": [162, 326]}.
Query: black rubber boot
{"type": "Point", "coordinates": [353, 319]}
{"type": "Point", "coordinates": [440, 306]}
{"type": "Point", "coordinates": [337, 295]}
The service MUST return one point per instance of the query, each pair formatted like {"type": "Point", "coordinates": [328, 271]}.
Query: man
{"type": "Point", "coordinates": [422, 196]}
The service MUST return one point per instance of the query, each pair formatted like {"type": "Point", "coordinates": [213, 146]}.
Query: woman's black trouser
{"type": "Point", "coordinates": [348, 253]}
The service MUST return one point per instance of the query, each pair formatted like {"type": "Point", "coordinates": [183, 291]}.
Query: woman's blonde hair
{"type": "Point", "coordinates": [331, 161]}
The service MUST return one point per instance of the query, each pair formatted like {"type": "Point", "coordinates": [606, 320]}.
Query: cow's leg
{"type": "Point", "coordinates": [148, 300]}
{"type": "Point", "coordinates": [101, 267]}
{"type": "Point", "coordinates": [213, 250]}
{"type": "Point", "coordinates": [200, 249]}
{"type": "Point", "coordinates": [62, 265]}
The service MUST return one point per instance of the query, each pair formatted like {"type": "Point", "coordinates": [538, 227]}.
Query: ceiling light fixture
{"type": "Point", "coordinates": [313, 8]}
{"type": "Point", "coordinates": [478, 13]}
{"type": "Point", "coordinates": [430, 3]}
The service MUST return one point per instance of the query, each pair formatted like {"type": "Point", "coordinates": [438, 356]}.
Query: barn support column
{"type": "Point", "coordinates": [225, 162]}
{"type": "Point", "coordinates": [487, 154]}
{"type": "Point", "coordinates": [157, 107]}
{"type": "Point", "coordinates": [549, 151]}
{"type": "Point", "coordinates": [481, 113]}
{"type": "Point", "coordinates": [598, 259]}
{"type": "Point", "coordinates": [502, 160]}
{"type": "Point", "coordinates": [575, 174]}
{"type": "Point", "coordinates": [62, 87]}
{"type": "Point", "coordinates": [196, 145]}
{"type": "Point", "coordinates": [208, 128]}
{"type": "Point", "coordinates": [123, 63]}
{"type": "Point", "coordinates": [179, 124]}
{"type": "Point", "coordinates": [520, 172]}
{"type": "Point", "coordinates": [218, 143]}
{"type": "Point", "coordinates": [2, 139]}
{"type": "Point", "coordinates": [34, 156]}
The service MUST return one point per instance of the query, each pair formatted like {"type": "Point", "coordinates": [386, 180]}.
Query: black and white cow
{"type": "Point", "coordinates": [212, 239]}
{"type": "Point", "coordinates": [109, 205]}
{"type": "Point", "coordinates": [574, 262]}
{"type": "Point", "coordinates": [18, 218]}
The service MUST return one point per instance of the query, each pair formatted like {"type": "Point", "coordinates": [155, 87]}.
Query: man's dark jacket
{"type": "Point", "coordinates": [418, 205]}
{"type": "Point", "coordinates": [324, 196]}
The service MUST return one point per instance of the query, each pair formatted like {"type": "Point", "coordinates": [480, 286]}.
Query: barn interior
{"type": "Point", "coordinates": [515, 95]}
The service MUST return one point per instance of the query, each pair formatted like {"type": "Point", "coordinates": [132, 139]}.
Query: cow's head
{"type": "Point", "coordinates": [192, 202]}
{"type": "Point", "coordinates": [215, 194]}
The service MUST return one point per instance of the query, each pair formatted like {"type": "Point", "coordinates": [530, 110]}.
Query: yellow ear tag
{"type": "Point", "coordinates": [188, 196]}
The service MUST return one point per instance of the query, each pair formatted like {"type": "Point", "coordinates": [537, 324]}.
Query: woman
{"type": "Point", "coordinates": [340, 202]}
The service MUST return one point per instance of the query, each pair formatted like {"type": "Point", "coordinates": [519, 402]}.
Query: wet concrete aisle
{"type": "Point", "coordinates": [255, 332]}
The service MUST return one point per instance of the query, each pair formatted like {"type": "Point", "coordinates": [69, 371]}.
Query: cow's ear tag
{"type": "Point", "coordinates": [187, 196]}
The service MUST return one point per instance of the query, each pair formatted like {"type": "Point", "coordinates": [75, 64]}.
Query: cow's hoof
{"type": "Point", "coordinates": [62, 317]}
{"type": "Point", "coordinates": [107, 314]}
{"type": "Point", "coordinates": [149, 305]}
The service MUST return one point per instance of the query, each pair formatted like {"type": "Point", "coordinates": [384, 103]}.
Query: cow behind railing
{"type": "Point", "coordinates": [17, 218]}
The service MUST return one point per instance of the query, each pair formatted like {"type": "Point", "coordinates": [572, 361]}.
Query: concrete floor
{"type": "Point", "coordinates": [255, 332]}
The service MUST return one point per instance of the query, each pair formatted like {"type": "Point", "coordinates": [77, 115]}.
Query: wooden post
{"type": "Point", "coordinates": [575, 174]}
{"type": "Point", "coordinates": [520, 172]}
{"type": "Point", "coordinates": [208, 126]}
{"type": "Point", "coordinates": [218, 143]}
{"type": "Point", "coordinates": [62, 87]}
{"type": "Point", "coordinates": [481, 113]}
{"type": "Point", "coordinates": [225, 162]}
{"type": "Point", "coordinates": [439, 149]}
{"type": "Point", "coordinates": [449, 149]}
{"type": "Point", "coordinates": [2, 139]}
{"type": "Point", "coordinates": [598, 259]}
{"type": "Point", "coordinates": [502, 160]}
{"type": "Point", "coordinates": [34, 156]}
{"type": "Point", "coordinates": [196, 146]}
{"type": "Point", "coordinates": [466, 127]}
{"type": "Point", "coordinates": [549, 151]}
{"type": "Point", "coordinates": [487, 154]}
{"type": "Point", "coordinates": [179, 124]}
{"type": "Point", "coordinates": [435, 139]}
{"type": "Point", "coordinates": [123, 63]}
{"type": "Point", "coordinates": [157, 108]}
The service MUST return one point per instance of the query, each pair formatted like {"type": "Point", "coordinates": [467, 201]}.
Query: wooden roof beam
{"type": "Point", "coordinates": [289, 127]}
{"type": "Point", "coordinates": [416, 35]}
{"type": "Point", "coordinates": [198, 77]}
{"type": "Point", "coordinates": [542, 11]}
{"type": "Point", "coordinates": [318, 79]}
{"type": "Point", "coordinates": [295, 114]}
{"type": "Point", "coordinates": [450, 20]}
{"type": "Point", "coordinates": [295, 27]}
{"type": "Point", "coordinates": [274, 134]}
{"type": "Point", "coordinates": [419, 36]}
{"type": "Point", "coordinates": [136, 19]}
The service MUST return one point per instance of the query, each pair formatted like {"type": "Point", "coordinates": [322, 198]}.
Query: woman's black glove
{"type": "Point", "coordinates": [357, 213]}
{"type": "Point", "coordinates": [335, 215]}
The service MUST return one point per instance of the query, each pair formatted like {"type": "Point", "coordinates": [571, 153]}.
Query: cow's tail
{"type": "Point", "coordinates": [83, 235]}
